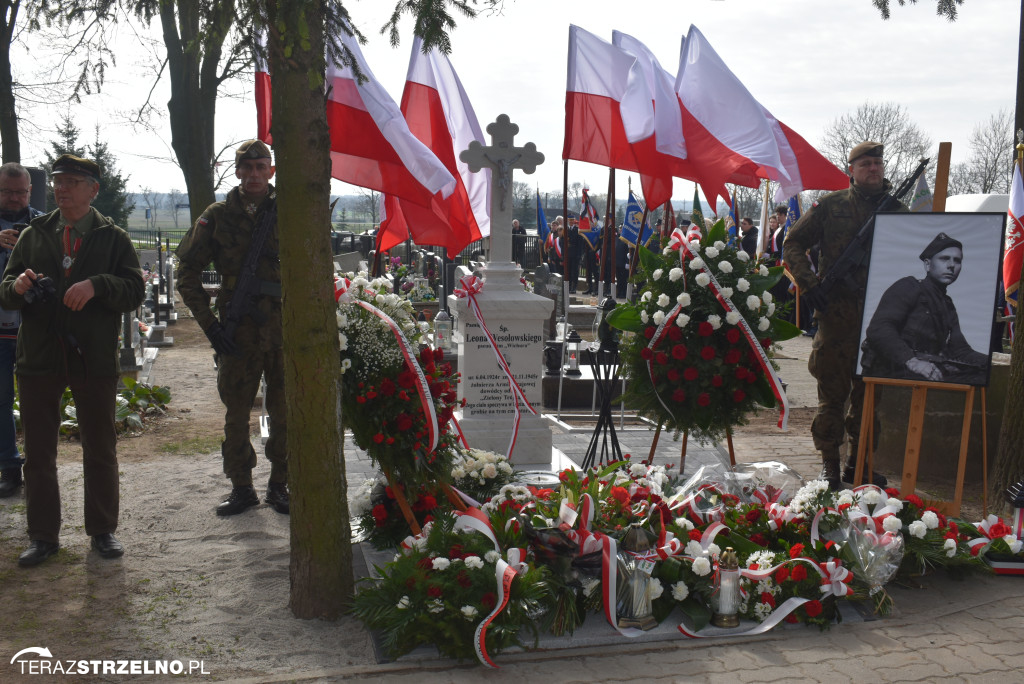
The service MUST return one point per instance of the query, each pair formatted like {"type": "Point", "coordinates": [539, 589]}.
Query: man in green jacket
{"type": "Point", "coordinates": [72, 274]}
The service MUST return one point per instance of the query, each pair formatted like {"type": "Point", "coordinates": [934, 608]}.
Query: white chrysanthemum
{"type": "Point", "coordinates": [682, 319]}
{"type": "Point", "coordinates": [742, 284]}
{"type": "Point", "coordinates": [644, 316]}
{"type": "Point", "coordinates": [727, 292]}
{"type": "Point", "coordinates": [657, 274]}
{"type": "Point", "coordinates": [725, 267]}
{"type": "Point", "coordinates": [711, 252]}
{"type": "Point", "coordinates": [917, 529]}
{"type": "Point", "coordinates": [763, 271]}
{"type": "Point", "coordinates": [663, 300]}
{"type": "Point", "coordinates": [680, 591]}
{"type": "Point", "coordinates": [683, 299]}
{"type": "Point", "coordinates": [435, 606]}
{"type": "Point", "coordinates": [469, 612]}
{"type": "Point", "coordinates": [742, 256]}
{"type": "Point", "coordinates": [762, 611]}
{"type": "Point", "coordinates": [441, 563]}
{"type": "Point", "coordinates": [675, 274]}
{"type": "Point", "coordinates": [683, 524]}
{"type": "Point", "coordinates": [950, 547]}
{"type": "Point", "coordinates": [893, 524]}
{"type": "Point", "coordinates": [767, 297]}
{"type": "Point", "coordinates": [930, 520]}
{"type": "Point", "coordinates": [492, 556]}
{"type": "Point", "coordinates": [701, 566]}
{"type": "Point", "coordinates": [693, 548]}
{"type": "Point", "coordinates": [766, 586]}
{"type": "Point", "coordinates": [715, 320]}
{"type": "Point", "coordinates": [646, 296]}
{"type": "Point", "coordinates": [703, 279]}
{"type": "Point", "coordinates": [696, 263]}
{"type": "Point", "coordinates": [733, 317]}
{"type": "Point", "coordinates": [763, 324]}
{"type": "Point", "coordinates": [659, 317]}
{"type": "Point", "coordinates": [753, 302]}
{"type": "Point", "coordinates": [403, 603]}
{"type": "Point", "coordinates": [771, 310]}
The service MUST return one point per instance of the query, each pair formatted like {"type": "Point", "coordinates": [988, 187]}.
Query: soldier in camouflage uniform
{"type": "Point", "coordinates": [222, 236]}
{"type": "Point", "coordinates": [831, 223]}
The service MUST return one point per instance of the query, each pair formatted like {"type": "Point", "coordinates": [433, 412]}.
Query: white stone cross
{"type": "Point", "coordinates": [503, 157]}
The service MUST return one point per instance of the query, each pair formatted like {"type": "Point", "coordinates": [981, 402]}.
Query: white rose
{"type": "Point", "coordinates": [667, 251]}
{"type": "Point", "coordinates": [696, 263]}
{"type": "Point", "coordinates": [732, 318]}
{"type": "Point", "coordinates": [917, 529]}
{"type": "Point", "coordinates": [680, 591]}
{"type": "Point", "coordinates": [725, 267]}
{"type": "Point", "coordinates": [380, 299]}
{"type": "Point", "coordinates": [659, 316]}
{"type": "Point", "coordinates": [675, 274]}
{"type": "Point", "coordinates": [763, 324]}
{"type": "Point", "coordinates": [715, 321]}
{"type": "Point", "coordinates": [458, 472]}
{"type": "Point", "coordinates": [441, 563]}
{"type": "Point", "coordinates": [663, 300]}
{"type": "Point", "coordinates": [682, 319]}
{"type": "Point", "coordinates": [742, 284]}
{"type": "Point", "coordinates": [489, 471]}
{"type": "Point", "coordinates": [657, 274]}
{"type": "Point", "coordinates": [346, 364]}
{"type": "Point", "coordinates": [683, 299]}
{"type": "Point", "coordinates": [1015, 544]}
{"type": "Point", "coordinates": [753, 302]}
{"type": "Point", "coordinates": [703, 279]}
{"type": "Point", "coordinates": [727, 292]}
{"type": "Point", "coordinates": [893, 524]}
{"type": "Point", "coordinates": [701, 566]}
{"type": "Point", "coordinates": [646, 296]}
{"type": "Point", "coordinates": [711, 252]}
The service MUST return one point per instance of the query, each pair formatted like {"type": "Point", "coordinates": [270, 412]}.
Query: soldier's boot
{"type": "Point", "coordinates": [850, 470]}
{"type": "Point", "coordinates": [830, 468]}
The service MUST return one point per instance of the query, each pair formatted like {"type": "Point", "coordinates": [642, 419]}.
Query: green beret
{"type": "Point", "coordinates": [69, 163]}
{"type": "Point", "coordinates": [865, 149]}
{"type": "Point", "coordinates": [941, 242]}
{"type": "Point", "coordinates": [251, 149]}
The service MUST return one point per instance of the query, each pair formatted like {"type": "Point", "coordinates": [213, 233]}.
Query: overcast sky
{"type": "Point", "coordinates": [807, 61]}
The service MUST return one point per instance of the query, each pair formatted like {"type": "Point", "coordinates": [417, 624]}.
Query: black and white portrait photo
{"type": "Point", "coordinates": [930, 298]}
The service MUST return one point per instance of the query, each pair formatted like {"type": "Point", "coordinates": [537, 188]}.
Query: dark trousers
{"type": "Point", "coordinates": [40, 414]}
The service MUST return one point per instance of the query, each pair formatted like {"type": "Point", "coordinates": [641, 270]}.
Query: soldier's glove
{"type": "Point", "coordinates": [815, 298]}
{"type": "Point", "coordinates": [222, 344]}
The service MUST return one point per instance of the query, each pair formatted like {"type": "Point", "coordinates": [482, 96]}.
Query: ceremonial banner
{"type": "Point", "coordinates": [1014, 238]}
{"type": "Point", "coordinates": [631, 225]}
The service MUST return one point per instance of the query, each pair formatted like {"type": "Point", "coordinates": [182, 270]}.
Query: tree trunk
{"type": "Point", "coordinates": [8, 112]}
{"type": "Point", "coordinates": [321, 551]}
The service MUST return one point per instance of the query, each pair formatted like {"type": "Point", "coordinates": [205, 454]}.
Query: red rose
{"type": "Point", "coordinates": [661, 358]}
{"type": "Point", "coordinates": [716, 380]}
{"type": "Point", "coordinates": [380, 515]}
{"type": "Point", "coordinates": [678, 395]}
{"type": "Point", "coordinates": [360, 400]}
{"type": "Point", "coordinates": [679, 351]}
{"type": "Point", "coordinates": [791, 619]}
{"type": "Point", "coordinates": [646, 354]}
{"type": "Point", "coordinates": [738, 396]}
{"type": "Point", "coordinates": [799, 573]}
{"type": "Point", "coordinates": [740, 373]}
{"type": "Point", "coordinates": [673, 374]}
{"type": "Point", "coordinates": [707, 353]}
{"type": "Point", "coordinates": [434, 592]}
{"type": "Point", "coordinates": [796, 550]}
{"type": "Point", "coordinates": [690, 374]}
{"type": "Point", "coordinates": [705, 329]}
{"type": "Point", "coordinates": [649, 331]}
{"type": "Point", "coordinates": [733, 356]}
{"type": "Point", "coordinates": [387, 387]}
{"type": "Point", "coordinates": [751, 378]}
{"type": "Point", "coordinates": [733, 335]}
{"type": "Point", "coordinates": [674, 333]}
{"type": "Point", "coordinates": [378, 438]}
{"type": "Point", "coordinates": [813, 608]}
{"type": "Point", "coordinates": [781, 575]}
{"type": "Point", "coordinates": [403, 421]}
{"type": "Point", "coordinates": [753, 515]}
{"type": "Point", "coordinates": [704, 399]}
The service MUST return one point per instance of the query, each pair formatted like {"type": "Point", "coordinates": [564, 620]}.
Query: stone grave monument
{"type": "Point", "coordinates": [514, 316]}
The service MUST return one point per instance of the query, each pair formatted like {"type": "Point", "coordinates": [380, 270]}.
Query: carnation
{"type": "Point", "coordinates": [950, 547]}
{"type": "Point", "coordinates": [701, 566]}
{"type": "Point", "coordinates": [711, 252]}
{"type": "Point", "coordinates": [771, 308]}
{"type": "Point", "coordinates": [763, 324]}
{"type": "Point", "coordinates": [654, 589]}
{"type": "Point", "coordinates": [763, 271]}
{"type": "Point", "coordinates": [680, 591]}
{"type": "Point", "coordinates": [917, 529]}
{"type": "Point", "coordinates": [646, 296]}
{"type": "Point", "coordinates": [659, 316]}
{"type": "Point", "coordinates": [732, 318]}
{"type": "Point", "coordinates": [871, 497]}
{"type": "Point", "coordinates": [657, 274]}
{"type": "Point", "coordinates": [727, 292]}
{"type": "Point", "coordinates": [753, 302]}
{"type": "Point", "coordinates": [696, 263]}
{"type": "Point", "coordinates": [441, 563]}
{"type": "Point", "coordinates": [492, 556]}
{"type": "Point", "coordinates": [715, 321]}
{"type": "Point", "coordinates": [767, 297]}
{"type": "Point", "coordinates": [663, 299]}
{"type": "Point", "coordinates": [893, 524]}
{"type": "Point", "coordinates": [644, 316]}
{"type": "Point", "coordinates": [682, 319]}
{"type": "Point", "coordinates": [683, 299]}
{"type": "Point", "coordinates": [683, 524]}
{"type": "Point", "coordinates": [675, 274]}
{"type": "Point", "coordinates": [725, 267]}
{"type": "Point", "coordinates": [693, 548]}
{"type": "Point", "coordinates": [703, 279]}
{"type": "Point", "coordinates": [742, 256]}
{"type": "Point", "coordinates": [473, 562]}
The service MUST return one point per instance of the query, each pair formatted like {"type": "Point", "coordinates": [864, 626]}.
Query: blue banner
{"type": "Point", "coordinates": [542, 222]}
{"type": "Point", "coordinates": [631, 225]}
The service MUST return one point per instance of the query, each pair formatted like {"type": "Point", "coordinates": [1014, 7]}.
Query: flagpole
{"type": "Point", "coordinates": [604, 236]}
{"type": "Point", "coordinates": [565, 284]}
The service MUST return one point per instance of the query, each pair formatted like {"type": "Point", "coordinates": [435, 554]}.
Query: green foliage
{"type": "Point", "coordinates": [135, 403]}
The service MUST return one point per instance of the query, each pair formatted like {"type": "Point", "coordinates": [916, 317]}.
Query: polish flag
{"type": "Point", "coordinates": [608, 104]}
{"type": "Point", "coordinates": [731, 137]}
{"type": "Point", "coordinates": [1013, 256]}
{"type": "Point", "coordinates": [440, 115]}
{"type": "Point", "coordinates": [371, 145]}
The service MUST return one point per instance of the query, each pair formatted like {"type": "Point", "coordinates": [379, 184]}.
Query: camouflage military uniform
{"type": "Point", "coordinates": [832, 222]}
{"type": "Point", "coordinates": [221, 236]}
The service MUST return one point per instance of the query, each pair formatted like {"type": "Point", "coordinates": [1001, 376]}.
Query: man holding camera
{"type": "Point", "coordinates": [15, 190]}
{"type": "Point", "coordinates": [72, 274]}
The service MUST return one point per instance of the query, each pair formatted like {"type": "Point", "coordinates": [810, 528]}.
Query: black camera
{"type": "Point", "coordinates": [42, 290]}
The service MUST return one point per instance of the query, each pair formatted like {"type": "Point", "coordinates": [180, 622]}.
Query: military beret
{"type": "Point", "coordinates": [252, 149]}
{"type": "Point", "coordinates": [658, 222]}
{"type": "Point", "coordinates": [941, 242]}
{"type": "Point", "coordinates": [865, 149]}
{"type": "Point", "coordinates": [69, 163]}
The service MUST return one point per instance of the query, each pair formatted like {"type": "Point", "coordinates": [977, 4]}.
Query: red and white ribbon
{"type": "Point", "coordinates": [341, 290]}
{"type": "Point", "coordinates": [876, 514]}
{"type": "Point", "coordinates": [471, 286]}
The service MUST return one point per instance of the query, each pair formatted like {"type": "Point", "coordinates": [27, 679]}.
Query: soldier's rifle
{"type": "Point", "coordinates": [248, 286]}
{"type": "Point", "coordinates": [857, 252]}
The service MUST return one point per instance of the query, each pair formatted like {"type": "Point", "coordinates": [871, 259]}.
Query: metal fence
{"type": "Point", "coordinates": [150, 239]}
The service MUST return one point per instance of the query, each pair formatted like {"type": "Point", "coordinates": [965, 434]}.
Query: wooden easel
{"type": "Point", "coordinates": [915, 431]}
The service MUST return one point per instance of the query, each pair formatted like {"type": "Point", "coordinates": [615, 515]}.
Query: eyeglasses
{"type": "Point", "coordinates": [13, 193]}
{"type": "Point", "coordinates": [60, 182]}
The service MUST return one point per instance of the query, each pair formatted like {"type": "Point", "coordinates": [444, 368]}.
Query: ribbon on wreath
{"type": "Point", "coordinates": [779, 515]}
{"type": "Point", "coordinates": [471, 286]}
{"type": "Point", "coordinates": [342, 287]}
{"type": "Point", "coordinates": [877, 515]}
{"type": "Point", "coordinates": [678, 241]}
{"type": "Point", "coordinates": [992, 528]}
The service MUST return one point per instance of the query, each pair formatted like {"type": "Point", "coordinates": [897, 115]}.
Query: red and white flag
{"type": "Point", "coordinates": [440, 115]}
{"type": "Point", "coordinates": [608, 104]}
{"type": "Point", "coordinates": [1014, 255]}
{"type": "Point", "coordinates": [371, 145]}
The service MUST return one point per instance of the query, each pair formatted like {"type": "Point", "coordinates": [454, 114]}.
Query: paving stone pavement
{"type": "Point", "coordinates": [942, 630]}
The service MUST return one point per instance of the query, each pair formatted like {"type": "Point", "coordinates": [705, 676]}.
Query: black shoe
{"type": "Point", "coordinates": [830, 474]}
{"type": "Point", "coordinates": [36, 553]}
{"type": "Point", "coordinates": [106, 545]}
{"type": "Point", "coordinates": [277, 496]}
{"type": "Point", "coordinates": [238, 500]}
{"type": "Point", "coordinates": [10, 481]}
{"type": "Point", "coordinates": [877, 479]}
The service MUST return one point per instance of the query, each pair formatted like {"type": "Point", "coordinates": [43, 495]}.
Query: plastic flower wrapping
{"type": "Point", "coordinates": [692, 367]}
